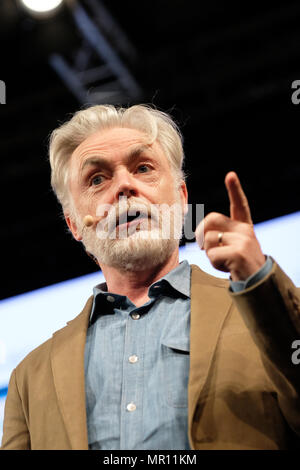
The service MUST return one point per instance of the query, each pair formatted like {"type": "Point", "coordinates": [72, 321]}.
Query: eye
{"type": "Point", "coordinates": [143, 168]}
{"type": "Point", "coordinates": [96, 180]}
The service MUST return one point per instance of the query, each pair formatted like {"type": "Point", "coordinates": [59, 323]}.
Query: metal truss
{"type": "Point", "coordinates": [98, 74]}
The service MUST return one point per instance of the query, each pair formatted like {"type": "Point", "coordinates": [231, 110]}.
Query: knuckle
{"type": "Point", "coordinates": [244, 203]}
{"type": "Point", "coordinates": [215, 217]}
{"type": "Point", "coordinates": [218, 217]}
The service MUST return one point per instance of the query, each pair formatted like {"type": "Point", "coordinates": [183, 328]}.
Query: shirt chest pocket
{"type": "Point", "coordinates": [175, 372]}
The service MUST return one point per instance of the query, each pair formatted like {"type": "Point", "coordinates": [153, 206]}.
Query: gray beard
{"type": "Point", "coordinates": [132, 254]}
{"type": "Point", "coordinates": [139, 251]}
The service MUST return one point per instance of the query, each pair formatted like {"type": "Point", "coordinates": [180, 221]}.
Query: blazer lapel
{"type": "Point", "coordinates": [210, 303]}
{"type": "Point", "coordinates": [67, 359]}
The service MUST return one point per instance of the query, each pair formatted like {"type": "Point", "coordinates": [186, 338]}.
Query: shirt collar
{"type": "Point", "coordinates": [178, 278]}
{"type": "Point", "coordinates": [174, 283]}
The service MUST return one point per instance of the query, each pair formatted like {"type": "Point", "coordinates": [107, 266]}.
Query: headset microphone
{"type": "Point", "coordinates": [88, 220]}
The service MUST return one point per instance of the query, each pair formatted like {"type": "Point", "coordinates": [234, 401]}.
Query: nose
{"type": "Point", "coordinates": [125, 186]}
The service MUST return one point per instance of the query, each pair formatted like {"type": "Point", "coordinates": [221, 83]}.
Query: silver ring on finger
{"type": "Point", "coordinates": [220, 238]}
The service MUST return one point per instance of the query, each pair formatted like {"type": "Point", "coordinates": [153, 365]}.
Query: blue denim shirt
{"type": "Point", "coordinates": [137, 366]}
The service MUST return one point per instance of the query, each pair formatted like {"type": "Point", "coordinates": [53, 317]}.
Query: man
{"type": "Point", "coordinates": [163, 355]}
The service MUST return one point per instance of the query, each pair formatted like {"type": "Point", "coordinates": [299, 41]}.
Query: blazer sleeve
{"type": "Point", "coordinates": [271, 311]}
{"type": "Point", "coordinates": [15, 430]}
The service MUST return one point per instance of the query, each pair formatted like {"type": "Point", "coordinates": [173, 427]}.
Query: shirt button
{"type": "Point", "coordinates": [133, 359]}
{"type": "Point", "coordinates": [110, 298]}
{"type": "Point", "coordinates": [131, 407]}
{"type": "Point", "coordinates": [135, 316]}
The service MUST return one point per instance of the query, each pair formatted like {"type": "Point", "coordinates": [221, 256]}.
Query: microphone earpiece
{"type": "Point", "coordinates": [88, 220]}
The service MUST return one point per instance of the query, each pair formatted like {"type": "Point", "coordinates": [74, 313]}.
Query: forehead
{"type": "Point", "coordinates": [110, 142]}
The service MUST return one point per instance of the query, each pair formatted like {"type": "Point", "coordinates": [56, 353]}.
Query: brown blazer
{"type": "Point", "coordinates": [243, 388]}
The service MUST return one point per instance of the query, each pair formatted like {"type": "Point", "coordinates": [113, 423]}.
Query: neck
{"type": "Point", "coordinates": [135, 284]}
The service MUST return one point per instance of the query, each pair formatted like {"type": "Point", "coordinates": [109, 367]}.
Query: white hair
{"type": "Point", "coordinates": [156, 125]}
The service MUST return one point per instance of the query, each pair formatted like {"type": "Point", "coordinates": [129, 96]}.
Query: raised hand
{"type": "Point", "coordinates": [230, 242]}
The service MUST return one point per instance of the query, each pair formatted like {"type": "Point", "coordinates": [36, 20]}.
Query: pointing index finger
{"type": "Point", "coordinates": [239, 207]}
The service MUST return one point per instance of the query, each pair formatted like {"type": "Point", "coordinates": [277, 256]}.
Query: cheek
{"type": "Point", "coordinates": [168, 192]}
{"type": "Point", "coordinates": [90, 203]}
{"type": "Point", "coordinates": [159, 193]}
{"type": "Point", "coordinates": [84, 203]}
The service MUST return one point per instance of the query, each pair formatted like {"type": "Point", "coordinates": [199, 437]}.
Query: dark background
{"type": "Point", "coordinates": [223, 70]}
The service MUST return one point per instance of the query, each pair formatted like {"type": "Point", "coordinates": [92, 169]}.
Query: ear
{"type": "Point", "coordinates": [72, 227]}
{"type": "Point", "coordinates": [184, 196]}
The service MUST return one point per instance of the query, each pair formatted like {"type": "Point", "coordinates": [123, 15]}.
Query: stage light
{"type": "Point", "coordinates": [44, 7]}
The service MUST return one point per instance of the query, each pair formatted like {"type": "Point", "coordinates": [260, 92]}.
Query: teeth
{"type": "Point", "coordinates": [132, 217]}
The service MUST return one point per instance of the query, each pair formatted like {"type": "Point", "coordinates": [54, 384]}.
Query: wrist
{"type": "Point", "coordinates": [249, 270]}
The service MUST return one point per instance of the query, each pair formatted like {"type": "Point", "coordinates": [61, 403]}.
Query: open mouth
{"type": "Point", "coordinates": [126, 219]}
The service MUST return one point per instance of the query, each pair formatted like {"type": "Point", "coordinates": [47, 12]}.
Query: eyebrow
{"type": "Point", "coordinates": [103, 162]}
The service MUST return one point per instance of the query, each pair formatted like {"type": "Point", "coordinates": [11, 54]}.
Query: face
{"type": "Point", "coordinates": [108, 167]}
